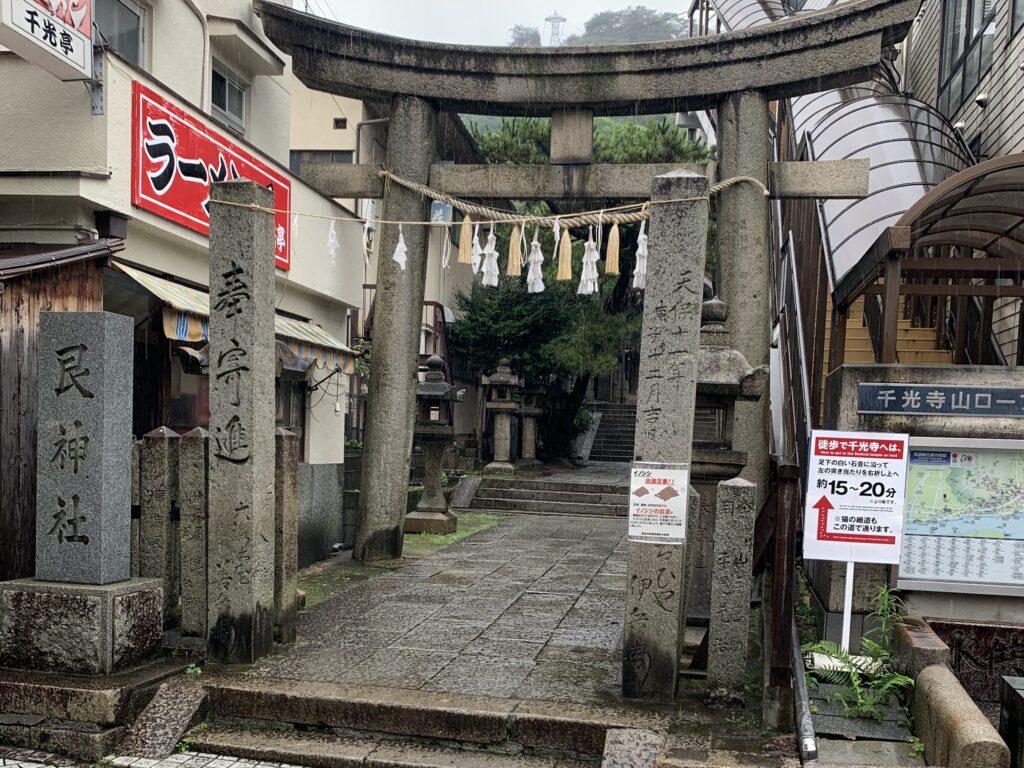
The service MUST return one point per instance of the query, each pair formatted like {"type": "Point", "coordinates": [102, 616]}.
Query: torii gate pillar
{"type": "Point", "coordinates": [391, 405]}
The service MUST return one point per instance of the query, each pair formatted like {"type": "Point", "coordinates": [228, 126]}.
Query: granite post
{"type": "Point", "coordinates": [82, 614]}
{"type": "Point", "coordinates": [194, 500]}
{"type": "Point", "coordinates": [158, 495]}
{"type": "Point", "coordinates": [530, 411]}
{"type": "Point", "coordinates": [240, 583]}
{"type": "Point", "coordinates": [83, 517]}
{"type": "Point", "coordinates": [731, 579]}
{"type": "Point", "coordinates": [391, 404]}
{"type": "Point", "coordinates": [670, 340]}
{"type": "Point", "coordinates": [286, 534]}
{"type": "Point", "coordinates": [136, 544]}
{"type": "Point", "coordinates": [744, 149]}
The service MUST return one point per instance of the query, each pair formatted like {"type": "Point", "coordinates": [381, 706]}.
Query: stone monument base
{"type": "Point", "coordinates": [80, 717]}
{"type": "Point", "coordinates": [500, 468]}
{"type": "Point", "coordinates": [430, 522]}
{"type": "Point", "coordinates": [81, 629]}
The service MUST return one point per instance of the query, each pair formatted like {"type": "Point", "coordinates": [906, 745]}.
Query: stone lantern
{"type": "Point", "coordinates": [434, 432]}
{"type": "Point", "coordinates": [501, 401]}
{"type": "Point", "coordinates": [530, 411]}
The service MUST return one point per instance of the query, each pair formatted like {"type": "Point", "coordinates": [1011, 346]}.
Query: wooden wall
{"type": "Point", "coordinates": [74, 287]}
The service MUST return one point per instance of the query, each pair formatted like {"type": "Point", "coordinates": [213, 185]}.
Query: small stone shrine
{"type": "Point", "coordinates": [502, 387]}
{"type": "Point", "coordinates": [435, 434]}
{"type": "Point", "coordinates": [82, 614]}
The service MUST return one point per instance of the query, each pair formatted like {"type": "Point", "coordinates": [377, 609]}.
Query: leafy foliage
{"type": "Point", "coordinates": [523, 36]}
{"type": "Point", "coordinates": [867, 682]}
{"type": "Point", "coordinates": [634, 24]}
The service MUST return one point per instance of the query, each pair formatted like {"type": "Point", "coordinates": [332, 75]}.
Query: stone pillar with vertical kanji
{"type": "Point", "coordinates": [83, 475]}
{"type": "Point", "coordinates": [240, 555]}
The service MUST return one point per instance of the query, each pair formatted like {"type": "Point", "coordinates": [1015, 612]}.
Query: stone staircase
{"type": "Point", "coordinates": [614, 440]}
{"type": "Point", "coordinates": [331, 725]}
{"type": "Point", "coordinates": [542, 497]}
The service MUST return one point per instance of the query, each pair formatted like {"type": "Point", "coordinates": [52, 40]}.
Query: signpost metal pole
{"type": "Point", "coordinates": [847, 606]}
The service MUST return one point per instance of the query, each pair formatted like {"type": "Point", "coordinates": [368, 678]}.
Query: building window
{"type": "Point", "coordinates": [341, 123]}
{"type": "Point", "coordinates": [228, 98]}
{"type": "Point", "coordinates": [290, 405]}
{"type": "Point", "coordinates": [1017, 17]}
{"type": "Point", "coordinates": [299, 156]}
{"type": "Point", "coordinates": [968, 38]}
{"type": "Point", "coordinates": [121, 24]}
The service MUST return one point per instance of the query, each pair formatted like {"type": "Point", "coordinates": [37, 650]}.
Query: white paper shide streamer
{"type": "Point", "coordinates": [332, 245]}
{"type": "Point", "coordinates": [588, 275]}
{"type": "Point", "coordinates": [640, 271]}
{"type": "Point", "coordinates": [477, 250]}
{"type": "Point", "coordinates": [535, 277]}
{"type": "Point", "coordinates": [401, 251]}
{"type": "Point", "coordinates": [490, 256]}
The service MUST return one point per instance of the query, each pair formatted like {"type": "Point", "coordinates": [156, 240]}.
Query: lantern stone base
{"type": "Point", "coordinates": [431, 522]}
{"type": "Point", "coordinates": [81, 629]}
{"type": "Point", "coordinates": [529, 467]}
{"type": "Point", "coordinates": [499, 468]}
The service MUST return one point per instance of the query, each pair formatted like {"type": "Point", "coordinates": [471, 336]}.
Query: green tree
{"type": "Point", "coordinates": [556, 337]}
{"type": "Point", "coordinates": [522, 36]}
{"type": "Point", "coordinates": [634, 24]}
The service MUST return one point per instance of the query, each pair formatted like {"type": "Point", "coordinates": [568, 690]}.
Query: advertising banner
{"type": "Point", "coordinates": [55, 35]}
{"type": "Point", "coordinates": [176, 158]}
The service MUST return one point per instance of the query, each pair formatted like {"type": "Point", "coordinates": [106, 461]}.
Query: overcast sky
{"type": "Point", "coordinates": [485, 22]}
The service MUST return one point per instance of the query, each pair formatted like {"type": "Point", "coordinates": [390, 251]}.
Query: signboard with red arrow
{"type": "Point", "coordinates": [855, 493]}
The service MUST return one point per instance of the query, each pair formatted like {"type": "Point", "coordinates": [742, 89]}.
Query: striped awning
{"type": "Point", "coordinates": [187, 318]}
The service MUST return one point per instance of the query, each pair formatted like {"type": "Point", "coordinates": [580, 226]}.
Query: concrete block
{"type": "Point", "coordinates": [79, 629]}
{"type": "Point", "coordinates": [916, 646]}
{"type": "Point", "coordinates": [572, 136]}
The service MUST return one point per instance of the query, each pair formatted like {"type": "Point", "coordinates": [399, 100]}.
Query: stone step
{"type": "Point", "coordinates": [549, 507]}
{"type": "Point", "coordinates": [327, 750]}
{"type": "Point", "coordinates": [624, 439]}
{"type": "Point", "coordinates": [579, 497]}
{"type": "Point", "coordinates": [547, 485]}
{"type": "Point", "coordinates": [449, 718]}
{"type": "Point", "coordinates": [173, 710]}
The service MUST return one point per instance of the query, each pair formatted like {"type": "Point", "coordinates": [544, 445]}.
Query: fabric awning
{"type": "Point", "coordinates": [187, 318]}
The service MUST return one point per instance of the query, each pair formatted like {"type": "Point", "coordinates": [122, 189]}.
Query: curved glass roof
{"type": "Point", "coordinates": [912, 148]}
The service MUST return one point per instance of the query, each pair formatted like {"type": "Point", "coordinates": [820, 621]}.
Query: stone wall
{"type": "Point", "coordinates": [321, 505]}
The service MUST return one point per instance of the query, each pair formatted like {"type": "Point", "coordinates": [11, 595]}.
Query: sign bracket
{"type": "Point", "coordinates": [97, 101]}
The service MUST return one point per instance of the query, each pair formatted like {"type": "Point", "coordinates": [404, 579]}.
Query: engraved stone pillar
{"type": "Point", "coordinates": [83, 517]}
{"type": "Point", "coordinates": [670, 340]}
{"type": "Point", "coordinates": [729, 623]}
{"type": "Point", "coordinates": [158, 493]}
{"type": "Point", "coordinates": [194, 498]}
{"type": "Point", "coordinates": [390, 407]}
{"type": "Point", "coordinates": [240, 584]}
{"type": "Point", "coordinates": [136, 506]}
{"type": "Point", "coordinates": [286, 535]}
{"type": "Point", "coordinates": [528, 461]}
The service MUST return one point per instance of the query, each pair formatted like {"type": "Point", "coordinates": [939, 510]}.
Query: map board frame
{"type": "Point", "coordinates": [955, 586]}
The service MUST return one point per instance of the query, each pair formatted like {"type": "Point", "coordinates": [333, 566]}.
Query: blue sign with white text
{"type": "Point", "coordinates": [940, 400]}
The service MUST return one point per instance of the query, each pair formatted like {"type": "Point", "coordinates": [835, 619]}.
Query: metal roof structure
{"type": "Point", "coordinates": [23, 259]}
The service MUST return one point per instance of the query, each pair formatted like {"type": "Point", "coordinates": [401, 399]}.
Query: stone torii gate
{"type": "Point", "coordinates": [736, 73]}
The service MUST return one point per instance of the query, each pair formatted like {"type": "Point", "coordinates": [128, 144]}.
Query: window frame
{"type": "Point", "coordinates": [221, 114]}
{"type": "Point", "coordinates": [1016, 17]}
{"type": "Point", "coordinates": [142, 12]}
{"type": "Point", "coordinates": [956, 72]}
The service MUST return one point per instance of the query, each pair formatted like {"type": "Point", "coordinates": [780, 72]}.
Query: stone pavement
{"type": "Point", "coordinates": [531, 609]}
{"type": "Point", "coordinates": [595, 472]}
{"type": "Point", "coordinates": [30, 758]}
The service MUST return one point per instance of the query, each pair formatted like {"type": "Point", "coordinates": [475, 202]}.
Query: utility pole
{"type": "Point", "coordinates": [556, 22]}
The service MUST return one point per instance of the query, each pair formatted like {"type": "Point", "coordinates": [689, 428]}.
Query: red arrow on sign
{"type": "Point", "coordinates": [824, 506]}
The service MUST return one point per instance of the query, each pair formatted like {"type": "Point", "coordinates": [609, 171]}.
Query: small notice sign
{"type": "Point", "coordinates": [856, 483]}
{"type": "Point", "coordinates": [657, 502]}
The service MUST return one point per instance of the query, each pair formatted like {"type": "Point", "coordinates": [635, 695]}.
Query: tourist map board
{"type": "Point", "coordinates": [855, 485]}
{"type": "Point", "coordinates": [964, 520]}
{"type": "Point", "coordinates": [657, 502]}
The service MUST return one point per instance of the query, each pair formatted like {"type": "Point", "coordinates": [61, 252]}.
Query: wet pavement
{"type": "Point", "coordinates": [530, 609]}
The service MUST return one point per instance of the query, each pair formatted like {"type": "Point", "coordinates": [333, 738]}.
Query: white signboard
{"type": "Point", "coordinates": [855, 496]}
{"type": "Point", "coordinates": [55, 35]}
{"type": "Point", "coordinates": [657, 502]}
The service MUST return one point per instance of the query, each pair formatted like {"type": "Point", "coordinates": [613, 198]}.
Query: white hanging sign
{"type": "Point", "coordinates": [856, 483]}
{"type": "Point", "coordinates": [58, 40]}
{"type": "Point", "coordinates": [657, 502]}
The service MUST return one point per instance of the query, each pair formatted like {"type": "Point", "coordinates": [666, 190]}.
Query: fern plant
{"type": "Point", "coordinates": [867, 682]}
